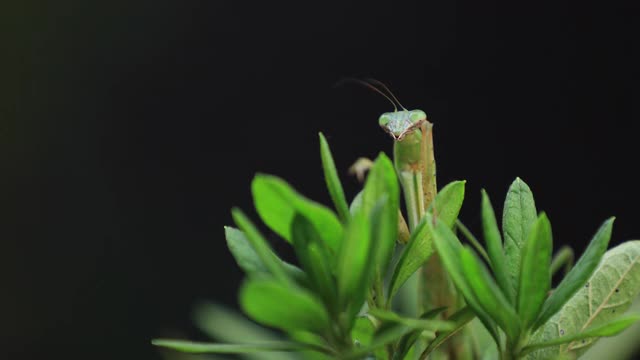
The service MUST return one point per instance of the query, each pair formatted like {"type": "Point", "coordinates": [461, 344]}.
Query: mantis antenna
{"type": "Point", "coordinates": [366, 84]}
{"type": "Point", "coordinates": [380, 83]}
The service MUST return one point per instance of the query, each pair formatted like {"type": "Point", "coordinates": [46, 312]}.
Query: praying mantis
{"type": "Point", "coordinates": [413, 153]}
{"type": "Point", "coordinates": [414, 160]}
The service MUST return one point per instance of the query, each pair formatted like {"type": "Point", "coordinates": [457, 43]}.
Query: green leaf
{"type": "Point", "coordinates": [622, 346]}
{"type": "Point", "coordinates": [473, 241]}
{"type": "Point", "coordinates": [284, 307]}
{"type": "Point", "coordinates": [318, 348]}
{"type": "Point", "coordinates": [406, 342]}
{"type": "Point", "coordinates": [213, 348]}
{"type": "Point", "coordinates": [384, 234]}
{"type": "Point", "coordinates": [315, 258]}
{"type": "Point", "coordinates": [409, 262]}
{"type": "Point", "coordinates": [356, 203]}
{"type": "Point", "coordinates": [610, 328]}
{"type": "Point", "coordinates": [488, 294]}
{"type": "Point", "coordinates": [226, 325]}
{"type": "Point", "coordinates": [382, 183]}
{"type": "Point", "coordinates": [260, 245]}
{"type": "Point", "coordinates": [420, 246]}
{"type": "Point", "coordinates": [608, 294]}
{"type": "Point", "coordinates": [386, 334]}
{"type": "Point", "coordinates": [433, 313]}
{"type": "Point", "coordinates": [578, 276]}
{"type": "Point", "coordinates": [277, 203]}
{"type": "Point", "coordinates": [494, 248]}
{"type": "Point", "coordinates": [481, 341]}
{"type": "Point", "coordinates": [245, 256]}
{"type": "Point", "coordinates": [249, 261]}
{"type": "Point", "coordinates": [518, 216]}
{"type": "Point", "coordinates": [535, 273]}
{"type": "Point", "coordinates": [363, 333]}
{"type": "Point", "coordinates": [460, 318]}
{"type": "Point", "coordinates": [450, 249]}
{"type": "Point", "coordinates": [424, 324]}
{"type": "Point", "coordinates": [447, 204]}
{"type": "Point", "coordinates": [333, 181]}
{"type": "Point", "coordinates": [353, 265]}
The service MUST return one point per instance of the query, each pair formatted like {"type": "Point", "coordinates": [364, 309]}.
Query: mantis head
{"type": "Point", "coordinates": [400, 123]}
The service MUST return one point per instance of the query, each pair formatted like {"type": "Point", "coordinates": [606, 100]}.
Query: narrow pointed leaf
{"type": "Point", "coordinates": [277, 203]}
{"type": "Point", "coordinates": [284, 307]}
{"type": "Point", "coordinates": [353, 264]}
{"type": "Point", "coordinates": [213, 348]}
{"type": "Point", "coordinates": [450, 249]}
{"type": "Point", "coordinates": [488, 294]}
{"type": "Point", "coordinates": [518, 216]}
{"type": "Point", "coordinates": [495, 248]}
{"type": "Point", "coordinates": [333, 181]}
{"type": "Point", "coordinates": [388, 334]}
{"type": "Point", "coordinates": [460, 318]}
{"type": "Point", "coordinates": [420, 246]}
{"type": "Point", "coordinates": [261, 247]}
{"type": "Point", "coordinates": [226, 325]}
{"type": "Point", "coordinates": [382, 182]}
{"type": "Point", "coordinates": [535, 274]}
{"type": "Point", "coordinates": [314, 256]}
{"type": "Point", "coordinates": [433, 313]}
{"type": "Point", "coordinates": [578, 276]}
{"type": "Point", "coordinates": [248, 259]}
{"type": "Point", "coordinates": [611, 328]}
{"type": "Point", "coordinates": [473, 241]}
{"type": "Point", "coordinates": [608, 294]}
{"type": "Point", "coordinates": [406, 342]}
{"type": "Point", "coordinates": [424, 324]}
{"type": "Point", "coordinates": [410, 262]}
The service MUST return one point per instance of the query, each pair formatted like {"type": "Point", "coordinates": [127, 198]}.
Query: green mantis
{"type": "Point", "coordinates": [412, 152]}
{"type": "Point", "coordinates": [414, 160]}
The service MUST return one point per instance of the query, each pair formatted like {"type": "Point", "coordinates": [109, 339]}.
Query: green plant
{"type": "Point", "coordinates": [372, 285]}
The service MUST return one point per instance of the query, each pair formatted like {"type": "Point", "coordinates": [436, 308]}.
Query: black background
{"type": "Point", "coordinates": [130, 128]}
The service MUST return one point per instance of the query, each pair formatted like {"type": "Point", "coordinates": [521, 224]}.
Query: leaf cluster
{"type": "Point", "coordinates": [512, 294]}
{"type": "Point", "coordinates": [338, 301]}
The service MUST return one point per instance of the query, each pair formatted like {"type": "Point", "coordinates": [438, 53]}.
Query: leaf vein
{"type": "Point", "coordinates": [606, 299]}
